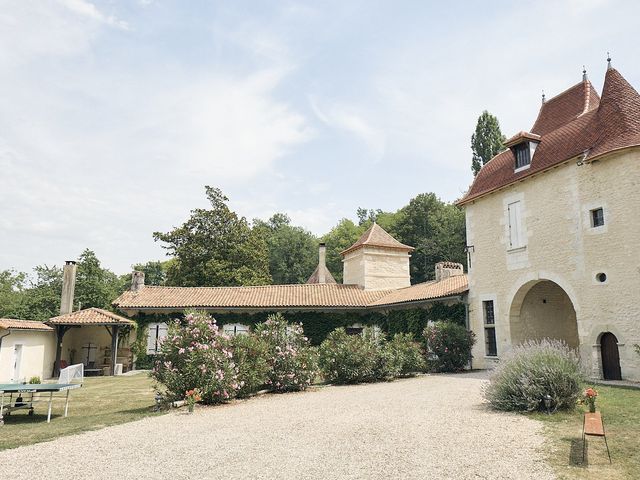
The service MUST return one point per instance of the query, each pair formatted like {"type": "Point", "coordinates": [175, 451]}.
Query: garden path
{"type": "Point", "coordinates": [426, 427]}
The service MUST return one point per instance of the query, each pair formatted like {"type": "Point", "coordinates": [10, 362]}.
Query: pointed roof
{"type": "Point", "coordinates": [576, 123]}
{"type": "Point", "coordinates": [90, 316]}
{"type": "Point", "coordinates": [376, 236]}
{"type": "Point", "coordinates": [315, 276]}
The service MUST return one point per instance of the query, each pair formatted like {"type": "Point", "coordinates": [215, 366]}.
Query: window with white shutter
{"type": "Point", "coordinates": [516, 233]}
{"type": "Point", "coordinates": [157, 333]}
{"type": "Point", "coordinates": [233, 329]}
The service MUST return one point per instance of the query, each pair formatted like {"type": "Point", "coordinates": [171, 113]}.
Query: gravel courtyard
{"type": "Point", "coordinates": [430, 427]}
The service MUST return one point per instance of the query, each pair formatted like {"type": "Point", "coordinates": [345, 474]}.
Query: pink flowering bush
{"type": "Point", "coordinates": [448, 346]}
{"type": "Point", "coordinates": [197, 355]}
{"type": "Point", "coordinates": [408, 352]}
{"type": "Point", "coordinates": [347, 358]}
{"type": "Point", "coordinates": [292, 362]}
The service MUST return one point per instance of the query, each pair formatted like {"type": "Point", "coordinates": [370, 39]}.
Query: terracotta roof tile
{"type": "Point", "coordinates": [285, 296]}
{"type": "Point", "coordinates": [90, 316]}
{"type": "Point", "coordinates": [258, 297]}
{"type": "Point", "coordinates": [448, 287]}
{"type": "Point", "coordinates": [576, 122]}
{"type": "Point", "coordinates": [14, 324]}
{"type": "Point", "coordinates": [376, 236]}
{"type": "Point", "coordinates": [327, 274]}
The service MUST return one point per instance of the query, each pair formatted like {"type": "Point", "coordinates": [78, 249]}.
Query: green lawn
{"type": "Point", "coordinates": [101, 401]}
{"type": "Point", "coordinates": [620, 410]}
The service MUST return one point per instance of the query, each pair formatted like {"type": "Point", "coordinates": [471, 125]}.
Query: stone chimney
{"type": "Point", "coordinates": [68, 287]}
{"type": "Point", "coordinates": [322, 263]}
{"type": "Point", "coordinates": [137, 281]}
{"type": "Point", "coordinates": [448, 269]}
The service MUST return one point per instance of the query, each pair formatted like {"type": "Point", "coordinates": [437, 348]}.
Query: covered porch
{"type": "Point", "coordinates": [92, 337]}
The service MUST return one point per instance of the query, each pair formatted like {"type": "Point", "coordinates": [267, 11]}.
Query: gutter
{"type": "Point", "coordinates": [2, 337]}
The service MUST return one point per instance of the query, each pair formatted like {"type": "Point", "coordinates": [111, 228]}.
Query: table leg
{"type": "Point", "coordinates": [1, 409]}
{"type": "Point", "coordinates": [49, 414]}
{"type": "Point", "coordinates": [66, 404]}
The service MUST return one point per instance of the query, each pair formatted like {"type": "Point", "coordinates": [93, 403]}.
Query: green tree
{"type": "Point", "coordinates": [95, 286]}
{"type": "Point", "coordinates": [339, 238]}
{"type": "Point", "coordinates": [42, 297]}
{"type": "Point", "coordinates": [486, 142]}
{"type": "Point", "coordinates": [437, 231]}
{"type": "Point", "coordinates": [155, 273]}
{"type": "Point", "coordinates": [292, 250]}
{"type": "Point", "coordinates": [12, 286]}
{"type": "Point", "coordinates": [215, 247]}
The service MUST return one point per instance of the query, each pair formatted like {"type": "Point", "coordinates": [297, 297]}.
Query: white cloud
{"type": "Point", "coordinates": [89, 10]}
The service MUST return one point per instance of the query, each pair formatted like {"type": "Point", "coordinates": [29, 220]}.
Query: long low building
{"type": "Point", "coordinates": [376, 276]}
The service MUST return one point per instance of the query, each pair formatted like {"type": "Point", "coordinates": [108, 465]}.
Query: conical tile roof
{"type": "Point", "coordinates": [376, 236]}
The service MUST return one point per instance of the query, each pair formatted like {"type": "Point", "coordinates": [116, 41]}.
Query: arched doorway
{"type": "Point", "coordinates": [542, 309]}
{"type": "Point", "coordinates": [610, 357]}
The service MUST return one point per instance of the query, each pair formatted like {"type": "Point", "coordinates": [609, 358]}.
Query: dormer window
{"type": "Point", "coordinates": [523, 145]}
{"type": "Point", "coordinates": [522, 154]}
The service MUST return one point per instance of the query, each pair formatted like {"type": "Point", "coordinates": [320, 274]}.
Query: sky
{"type": "Point", "coordinates": [114, 115]}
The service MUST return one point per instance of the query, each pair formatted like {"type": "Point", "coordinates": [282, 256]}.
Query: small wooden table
{"type": "Point", "coordinates": [593, 425]}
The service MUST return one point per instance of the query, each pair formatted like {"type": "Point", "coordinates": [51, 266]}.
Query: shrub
{"type": "Point", "coordinates": [532, 370]}
{"type": "Point", "coordinates": [34, 381]}
{"type": "Point", "coordinates": [250, 355]}
{"type": "Point", "coordinates": [409, 353]}
{"type": "Point", "coordinates": [196, 355]}
{"type": "Point", "coordinates": [387, 365]}
{"type": "Point", "coordinates": [448, 346]}
{"type": "Point", "coordinates": [347, 358]}
{"type": "Point", "coordinates": [292, 362]}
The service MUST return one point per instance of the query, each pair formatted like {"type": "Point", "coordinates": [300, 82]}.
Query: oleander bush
{"type": "Point", "coordinates": [448, 346]}
{"type": "Point", "coordinates": [292, 361]}
{"type": "Point", "coordinates": [197, 355]}
{"type": "Point", "coordinates": [250, 354]}
{"type": "Point", "coordinates": [530, 371]}
{"type": "Point", "coordinates": [409, 353]}
{"type": "Point", "coordinates": [347, 358]}
{"type": "Point", "coordinates": [368, 357]}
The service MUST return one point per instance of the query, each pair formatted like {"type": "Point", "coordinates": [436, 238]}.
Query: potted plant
{"type": "Point", "coordinates": [192, 397]}
{"type": "Point", "coordinates": [590, 395]}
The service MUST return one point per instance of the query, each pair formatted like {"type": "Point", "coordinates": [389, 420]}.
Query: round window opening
{"type": "Point", "coordinates": [601, 277]}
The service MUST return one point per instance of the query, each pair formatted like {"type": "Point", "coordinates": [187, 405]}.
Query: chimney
{"type": "Point", "coordinates": [68, 287]}
{"type": "Point", "coordinates": [322, 263]}
{"type": "Point", "coordinates": [448, 269]}
{"type": "Point", "coordinates": [137, 281]}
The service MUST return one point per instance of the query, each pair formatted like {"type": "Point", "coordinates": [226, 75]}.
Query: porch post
{"type": "Point", "coordinates": [114, 348]}
{"type": "Point", "coordinates": [60, 331]}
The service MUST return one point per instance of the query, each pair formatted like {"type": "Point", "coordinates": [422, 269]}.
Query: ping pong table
{"type": "Point", "coordinates": [19, 390]}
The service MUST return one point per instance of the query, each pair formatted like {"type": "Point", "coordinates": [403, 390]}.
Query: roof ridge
{"type": "Point", "coordinates": [254, 286]}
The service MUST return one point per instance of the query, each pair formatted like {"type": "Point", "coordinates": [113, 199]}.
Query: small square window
{"type": "Point", "coordinates": [522, 154]}
{"type": "Point", "coordinates": [597, 217]}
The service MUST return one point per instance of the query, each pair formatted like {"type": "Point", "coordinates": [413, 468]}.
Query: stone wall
{"type": "Point", "coordinates": [562, 246]}
{"type": "Point", "coordinates": [377, 268]}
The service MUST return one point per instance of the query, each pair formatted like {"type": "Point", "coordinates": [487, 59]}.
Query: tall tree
{"type": "Point", "coordinates": [155, 273]}
{"type": "Point", "coordinates": [95, 286]}
{"type": "Point", "coordinates": [486, 141]}
{"type": "Point", "coordinates": [292, 250]}
{"type": "Point", "coordinates": [437, 231]}
{"type": "Point", "coordinates": [215, 247]}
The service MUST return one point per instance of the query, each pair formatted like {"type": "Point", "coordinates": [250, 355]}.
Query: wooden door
{"type": "Point", "coordinates": [610, 357]}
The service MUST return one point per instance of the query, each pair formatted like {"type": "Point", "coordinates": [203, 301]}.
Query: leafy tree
{"type": "Point", "coordinates": [12, 286]}
{"type": "Point", "coordinates": [155, 273]}
{"type": "Point", "coordinates": [42, 297]}
{"type": "Point", "coordinates": [437, 231]}
{"type": "Point", "coordinates": [339, 238]}
{"type": "Point", "coordinates": [95, 286]}
{"type": "Point", "coordinates": [367, 216]}
{"type": "Point", "coordinates": [486, 142]}
{"type": "Point", "coordinates": [215, 247]}
{"type": "Point", "coordinates": [292, 250]}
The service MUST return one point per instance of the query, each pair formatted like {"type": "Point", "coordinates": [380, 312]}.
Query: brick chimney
{"type": "Point", "coordinates": [137, 281]}
{"type": "Point", "coordinates": [68, 287]}
{"type": "Point", "coordinates": [448, 269]}
{"type": "Point", "coordinates": [322, 263]}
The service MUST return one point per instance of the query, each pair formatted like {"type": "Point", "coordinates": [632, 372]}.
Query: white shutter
{"type": "Point", "coordinates": [151, 338]}
{"type": "Point", "coordinates": [516, 235]}
{"type": "Point", "coordinates": [162, 333]}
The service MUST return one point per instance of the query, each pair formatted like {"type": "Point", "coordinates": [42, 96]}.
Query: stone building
{"type": "Point", "coordinates": [376, 281]}
{"type": "Point", "coordinates": [552, 225]}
